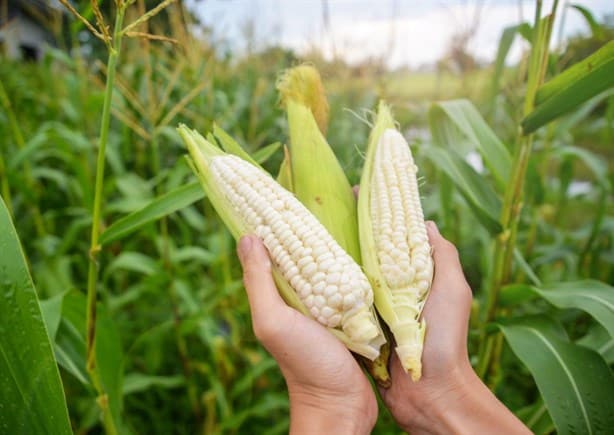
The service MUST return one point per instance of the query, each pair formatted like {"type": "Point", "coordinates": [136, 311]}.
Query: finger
{"type": "Point", "coordinates": [445, 256]}
{"type": "Point", "coordinates": [449, 301]}
{"type": "Point", "coordinates": [264, 300]}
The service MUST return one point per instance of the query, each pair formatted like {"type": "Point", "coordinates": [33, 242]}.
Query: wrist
{"type": "Point", "coordinates": [314, 414]}
{"type": "Point", "coordinates": [466, 406]}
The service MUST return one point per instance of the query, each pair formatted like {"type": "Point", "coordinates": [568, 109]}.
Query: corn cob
{"type": "Point", "coordinates": [313, 273]}
{"type": "Point", "coordinates": [326, 192]}
{"type": "Point", "coordinates": [395, 249]}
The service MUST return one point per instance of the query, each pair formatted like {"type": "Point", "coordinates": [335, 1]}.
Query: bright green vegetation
{"type": "Point", "coordinates": [165, 343]}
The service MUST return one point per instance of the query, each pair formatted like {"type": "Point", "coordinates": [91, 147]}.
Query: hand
{"type": "Point", "coordinates": [449, 398]}
{"type": "Point", "coordinates": [327, 389]}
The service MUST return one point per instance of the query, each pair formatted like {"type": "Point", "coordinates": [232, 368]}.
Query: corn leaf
{"type": "Point", "coordinates": [70, 341]}
{"type": "Point", "coordinates": [594, 297]}
{"type": "Point", "coordinates": [266, 152]}
{"type": "Point", "coordinates": [595, 163]}
{"type": "Point", "coordinates": [31, 393]}
{"type": "Point", "coordinates": [596, 28]}
{"type": "Point", "coordinates": [138, 382]}
{"type": "Point", "coordinates": [598, 339]}
{"type": "Point", "coordinates": [505, 43]}
{"type": "Point", "coordinates": [163, 205]}
{"type": "Point", "coordinates": [536, 418]}
{"type": "Point", "coordinates": [575, 382]}
{"type": "Point", "coordinates": [482, 200]}
{"type": "Point", "coordinates": [457, 123]}
{"type": "Point", "coordinates": [572, 87]}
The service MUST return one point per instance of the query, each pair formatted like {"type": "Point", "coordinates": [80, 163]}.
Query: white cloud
{"type": "Point", "coordinates": [417, 32]}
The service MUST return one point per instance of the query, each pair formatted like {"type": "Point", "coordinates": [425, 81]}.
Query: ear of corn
{"type": "Point", "coordinates": [395, 250]}
{"type": "Point", "coordinates": [313, 273]}
{"type": "Point", "coordinates": [318, 179]}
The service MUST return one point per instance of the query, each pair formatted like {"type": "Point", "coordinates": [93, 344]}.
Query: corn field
{"type": "Point", "coordinates": [122, 307]}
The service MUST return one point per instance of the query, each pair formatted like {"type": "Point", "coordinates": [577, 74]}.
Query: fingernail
{"type": "Point", "coordinates": [432, 226]}
{"type": "Point", "coordinates": [245, 245]}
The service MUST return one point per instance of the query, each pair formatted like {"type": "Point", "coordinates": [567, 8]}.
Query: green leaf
{"type": "Point", "coordinates": [31, 394]}
{"type": "Point", "coordinates": [505, 43]}
{"type": "Point", "coordinates": [572, 87]}
{"type": "Point", "coordinates": [482, 200]}
{"type": "Point", "coordinates": [266, 152]}
{"type": "Point", "coordinates": [596, 28]}
{"type": "Point", "coordinates": [137, 382]}
{"type": "Point", "coordinates": [51, 310]}
{"type": "Point", "coordinates": [164, 205]}
{"type": "Point", "coordinates": [134, 262]}
{"type": "Point", "coordinates": [109, 354]}
{"type": "Point", "coordinates": [536, 418]}
{"type": "Point", "coordinates": [598, 339]}
{"type": "Point", "coordinates": [595, 163]}
{"type": "Point", "coordinates": [593, 297]}
{"type": "Point", "coordinates": [457, 122]}
{"type": "Point", "coordinates": [575, 382]}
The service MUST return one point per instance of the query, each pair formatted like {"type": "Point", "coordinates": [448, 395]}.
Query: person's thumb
{"type": "Point", "coordinates": [264, 300]}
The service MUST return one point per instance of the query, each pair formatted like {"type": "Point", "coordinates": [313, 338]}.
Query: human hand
{"type": "Point", "coordinates": [450, 397]}
{"type": "Point", "coordinates": [327, 388]}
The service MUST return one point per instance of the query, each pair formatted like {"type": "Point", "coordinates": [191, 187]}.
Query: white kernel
{"type": "Point", "coordinates": [319, 287]}
{"type": "Point", "coordinates": [319, 249]}
{"type": "Point", "coordinates": [334, 320]}
{"type": "Point", "coordinates": [305, 261]}
{"type": "Point", "coordinates": [326, 264]}
{"type": "Point", "coordinates": [327, 312]}
{"type": "Point", "coordinates": [304, 290]}
{"type": "Point", "coordinates": [331, 290]}
{"type": "Point", "coordinates": [349, 301]}
{"type": "Point", "coordinates": [319, 301]}
{"type": "Point", "coordinates": [319, 276]}
{"type": "Point", "coordinates": [309, 269]}
{"type": "Point", "coordinates": [295, 245]}
{"type": "Point", "coordinates": [308, 301]}
{"type": "Point", "coordinates": [335, 300]}
{"type": "Point", "coordinates": [295, 280]}
{"type": "Point", "coordinates": [333, 278]}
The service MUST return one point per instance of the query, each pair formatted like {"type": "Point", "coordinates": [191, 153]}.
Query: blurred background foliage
{"type": "Point", "coordinates": [175, 317]}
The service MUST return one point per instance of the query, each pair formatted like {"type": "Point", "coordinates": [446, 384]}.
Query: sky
{"type": "Point", "coordinates": [403, 32]}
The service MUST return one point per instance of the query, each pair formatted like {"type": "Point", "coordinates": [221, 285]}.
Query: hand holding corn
{"type": "Point", "coordinates": [449, 397]}
{"type": "Point", "coordinates": [327, 389]}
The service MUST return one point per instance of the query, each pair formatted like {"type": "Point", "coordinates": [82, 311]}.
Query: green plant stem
{"type": "Point", "coordinates": [92, 275]}
{"type": "Point", "coordinates": [512, 204]}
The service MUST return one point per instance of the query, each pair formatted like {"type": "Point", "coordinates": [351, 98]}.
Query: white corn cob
{"type": "Point", "coordinates": [394, 244]}
{"type": "Point", "coordinates": [330, 285]}
{"type": "Point", "coordinates": [401, 241]}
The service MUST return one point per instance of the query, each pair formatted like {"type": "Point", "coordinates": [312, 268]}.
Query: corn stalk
{"type": "Point", "coordinates": [490, 345]}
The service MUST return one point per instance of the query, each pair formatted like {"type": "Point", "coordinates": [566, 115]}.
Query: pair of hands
{"type": "Point", "coordinates": [328, 390]}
